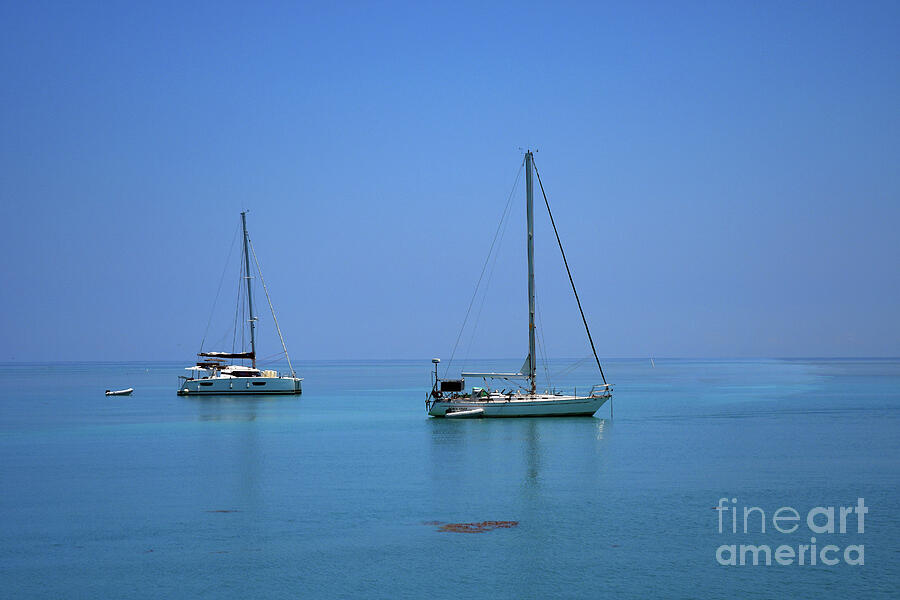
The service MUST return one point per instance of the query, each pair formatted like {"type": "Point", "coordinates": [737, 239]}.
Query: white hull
{"type": "Point", "coordinates": [119, 392]}
{"type": "Point", "coordinates": [538, 405]}
{"type": "Point", "coordinates": [240, 386]}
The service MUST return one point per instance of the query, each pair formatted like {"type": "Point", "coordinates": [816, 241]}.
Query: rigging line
{"type": "Point", "coordinates": [571, 368]}
{"type": "Point", "coordinates": [222, 341]}
{"type": "Point", "coordinates": [501, 230]}
{"type": "Point", "coordinates": [237, 307]}
{"type": "Point", "coordinates": [272, 308]}
{"type": "Point", "coordinates": [240, 307]}
{"type": "Point", "coordinates": [242, 325]}
{"type": "Point", "coordinates": [572, 281]}
{"type": "Point", "coordinates": [543, 346]}
{"type": "Point", "coordinates": [578, 363]}
{"type": "Point", "coordinates": [472, 301]}
{"type": "Point", "coordinates": [270, 358]}
{"type": "Point", "coordinates": [244, 319]}
{"type": "Point", "coordinates": [218, 291]}
{"type": "Point", "coordinates": [487, 285]}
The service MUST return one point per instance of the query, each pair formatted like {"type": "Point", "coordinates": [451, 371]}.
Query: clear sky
{"type": "Point", "coordinates": [725, 176]}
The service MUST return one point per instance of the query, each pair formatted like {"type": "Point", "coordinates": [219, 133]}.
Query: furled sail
{"type": "Point", "coordinates": [248, 355]}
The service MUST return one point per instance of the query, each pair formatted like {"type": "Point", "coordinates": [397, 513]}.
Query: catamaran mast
{"type": "Point", "coordinates": [529, 193]}
{"type": "Point", "coordinates": [249, 289]}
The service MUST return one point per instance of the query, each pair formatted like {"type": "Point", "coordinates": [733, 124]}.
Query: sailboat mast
{"type": "Point", "coordinates": [249, 288]}
{"type": "Point", "coordinates": [529, 193]}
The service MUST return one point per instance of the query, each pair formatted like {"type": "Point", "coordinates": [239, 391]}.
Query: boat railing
{"type": "Point", "coordinates": [601, 389]}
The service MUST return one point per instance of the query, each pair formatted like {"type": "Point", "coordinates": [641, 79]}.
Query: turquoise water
{"type": "Point", "coordinates": [339, 492]}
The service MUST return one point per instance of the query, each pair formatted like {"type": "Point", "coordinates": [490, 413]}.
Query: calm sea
{"type": "Point", "coordinates": [342, 492]}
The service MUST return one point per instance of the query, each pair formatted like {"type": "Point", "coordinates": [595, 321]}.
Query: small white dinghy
{"type": "Point", "coordinates": [119, 392]}
{"type": "Point", "coordinates": [464, 414]}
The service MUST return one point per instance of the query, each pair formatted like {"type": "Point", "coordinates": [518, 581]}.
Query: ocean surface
{"type": "Point", "coordinates": [343, 491]}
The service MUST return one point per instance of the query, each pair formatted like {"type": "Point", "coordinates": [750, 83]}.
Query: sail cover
{"type": "Point", "coordinates": [249, 355]}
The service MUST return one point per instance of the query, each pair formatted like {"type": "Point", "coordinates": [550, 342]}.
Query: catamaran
{"type": "Point", "coordinates": [212, 375]}
{"type": "Point", "coordinates": [448, 397]}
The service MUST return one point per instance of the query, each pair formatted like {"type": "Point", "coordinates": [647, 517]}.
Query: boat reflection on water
{"type": "Point", "coordinates": [226, 409]}
{"type": "Point", "coordinates": [235, 408]}
{"type": "Point", "coordinates": [231, 442]}
{"type": "Point", "coordinates": [532, 454]}
{"type": "Point", "coordinates": [534, 448]}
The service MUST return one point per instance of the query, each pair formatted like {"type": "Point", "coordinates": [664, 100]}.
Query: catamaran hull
{"type": "Point", "coordinates": [240, 386]}
{"type": "Point", "coordinates": [553, 406]}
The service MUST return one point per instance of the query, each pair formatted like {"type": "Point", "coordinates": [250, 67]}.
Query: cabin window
{"type": "Point", "coordinates": [205, 383]}
{"type": "Point", "coordinates": [259, 383]}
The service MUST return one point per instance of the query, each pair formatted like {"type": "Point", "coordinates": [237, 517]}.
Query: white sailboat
{"type": "Point", "coordinates": [212, 375]}
{"type": "Point", "coordinates": [448, 397]}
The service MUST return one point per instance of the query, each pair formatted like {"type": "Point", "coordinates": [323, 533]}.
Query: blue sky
{"type": "Point", "coordinates": [724, 176]}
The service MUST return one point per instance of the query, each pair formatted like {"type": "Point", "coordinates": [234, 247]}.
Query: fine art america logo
{"type": "Point", "coordinates": [820, 520]}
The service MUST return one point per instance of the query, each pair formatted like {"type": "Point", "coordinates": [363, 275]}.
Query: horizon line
{"type": "Point", "coordinates": [428, 360]}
